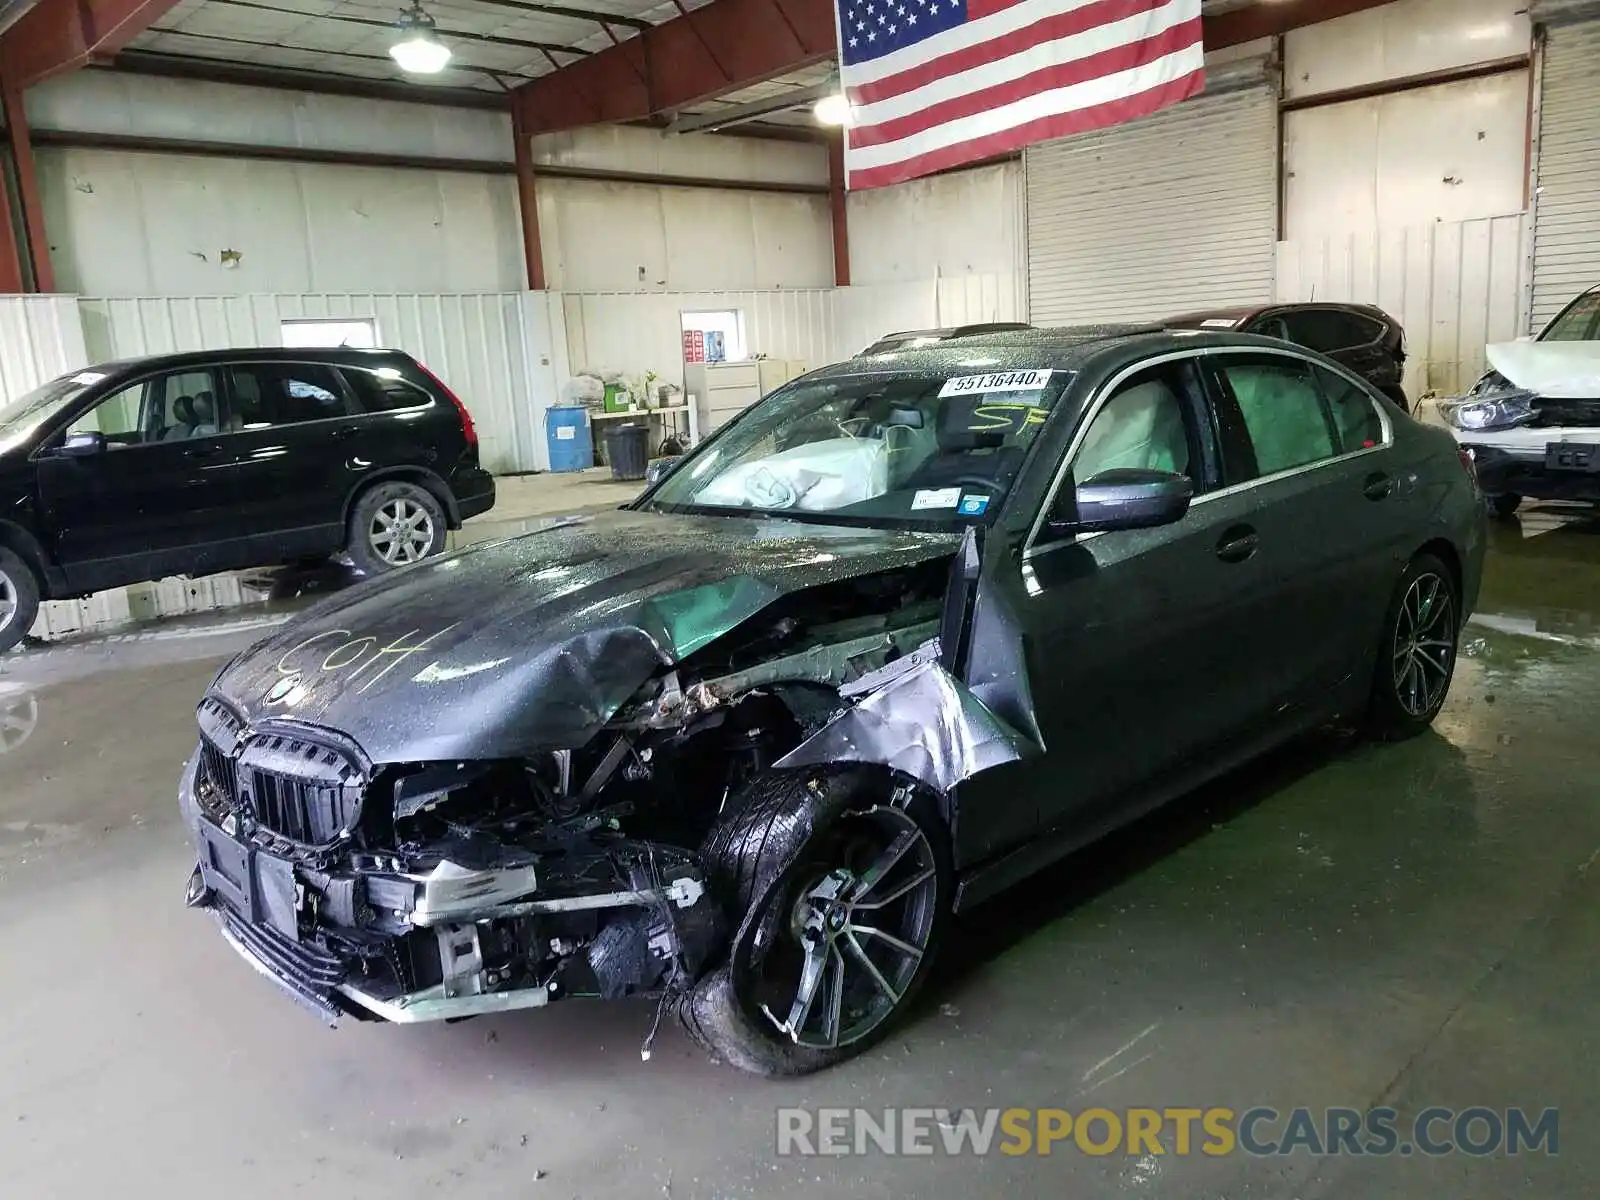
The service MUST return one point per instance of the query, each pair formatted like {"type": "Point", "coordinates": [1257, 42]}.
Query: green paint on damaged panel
{"type": "Point", "coordinates": [697, 616]}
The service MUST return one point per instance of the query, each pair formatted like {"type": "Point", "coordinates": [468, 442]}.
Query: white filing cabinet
{"type": "Point", "coordinates": [724, 390]}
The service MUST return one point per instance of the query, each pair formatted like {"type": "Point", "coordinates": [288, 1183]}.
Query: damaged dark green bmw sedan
{"type": "Point", "coordinates": [908, 630]}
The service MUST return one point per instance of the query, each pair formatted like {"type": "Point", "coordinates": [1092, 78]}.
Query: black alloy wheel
{"type": "Point", "coordinates": [1416, 659]}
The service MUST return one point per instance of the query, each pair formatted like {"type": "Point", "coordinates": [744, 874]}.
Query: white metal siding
{"type": "Point", "coordinates": [40, 338]}
{"type": "Point", "coordinates": [1453, 285]}
{"type": "Point", "coordinates": [634, 332]}
{"type": "Point", "coordinates": [1566, 229]}
{"type": "Point", "coordinates": [1176, 211]}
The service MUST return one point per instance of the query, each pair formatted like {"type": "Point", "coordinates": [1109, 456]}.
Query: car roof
{"type": "Point", "coordinates": [349, 356]}
{"type": "Point", "coordinates": [1071, 348]}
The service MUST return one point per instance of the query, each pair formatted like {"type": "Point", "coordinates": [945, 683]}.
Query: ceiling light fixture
{"type": "Point", "coordinates": [419, 50]}
{"type": "Point", "coordinates": [833, 109]}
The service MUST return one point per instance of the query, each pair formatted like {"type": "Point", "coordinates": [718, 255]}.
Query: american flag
{"type": "Point", "coordinates": [934, 84]}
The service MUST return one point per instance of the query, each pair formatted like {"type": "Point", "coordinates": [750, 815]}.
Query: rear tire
{"type": "Point", "coordinates": [394, 525]}
{"type": "Point", "coordinates": [19, 599]}
{"type": "Point", "coordinates": [1502, 506]}
{"type": "Point", "coordinates": [1416, 657]}
{"type": "Point", "coordinates": [752, 859]}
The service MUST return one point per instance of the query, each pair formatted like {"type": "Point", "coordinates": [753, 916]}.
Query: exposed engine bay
{"type": "Point", "coordinates": [443, 890]}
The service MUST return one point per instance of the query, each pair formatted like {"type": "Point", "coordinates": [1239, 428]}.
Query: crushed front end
{"type": "Point", "coordinates": [430, 893]}
{"type": "Point", "coordinates": [426, 890]}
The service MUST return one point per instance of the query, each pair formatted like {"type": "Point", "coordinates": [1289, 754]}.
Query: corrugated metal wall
{"type": "Point", "coordinates": [40, 337]}
{"type": "Point", "coordinates": [1455, 286]}
{"type": "Point", "coordinates": [1173, 212]}
{"type": "Point", "coordinates": [1566, 229]}
{"type": "Point", "coordinates": [487, 346]}
{"type": "Point", "coordinates": [866, 312]}
{"type": "Point", "coordinates": [638, 332]}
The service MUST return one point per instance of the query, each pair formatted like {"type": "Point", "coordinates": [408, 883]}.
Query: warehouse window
{"type": "Point", "coordinates": [714, 336]}
{"type": "Point", "coordinates": [361, 332]}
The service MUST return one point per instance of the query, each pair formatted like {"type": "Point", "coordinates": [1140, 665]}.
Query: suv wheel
{"type": "Point", "coordinates": [394, 525]}
{"type": "Point", "coordinates": [19, 599]}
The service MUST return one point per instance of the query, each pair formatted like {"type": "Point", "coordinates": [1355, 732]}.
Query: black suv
{"type": "Point", "coordinates": [196, 463]}
{"type": "Point", "coordinates": [1365, 339]}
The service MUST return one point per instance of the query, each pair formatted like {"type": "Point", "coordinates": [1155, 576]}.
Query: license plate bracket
{"type": "Point", "coordinates": [1582, 457]}
{"type": "Point", "coordinates": [259, 887]}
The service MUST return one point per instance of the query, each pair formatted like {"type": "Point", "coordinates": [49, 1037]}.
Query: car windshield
{"type": "Point", "coordinates": [1579, 323]}
{"type": "Point", "coordinates": [939, 450]}
{"type": "Point", "coordinates": [22, 416]}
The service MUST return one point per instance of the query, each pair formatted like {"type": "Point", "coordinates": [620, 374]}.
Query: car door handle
{"type": "Point", "coordinates": [1238, 544]}
{"type": "Point", "coordinates": [211, 451]}
{"type": "Point", "coordinates": [345, 432]}
{"type": "Point", "coordinates": [1378, 487]}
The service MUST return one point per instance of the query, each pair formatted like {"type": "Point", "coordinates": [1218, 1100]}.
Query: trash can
{"type": "Point", "coordinates": [628, 451]}
{"type": "Point", "coordinates": [566, 434]}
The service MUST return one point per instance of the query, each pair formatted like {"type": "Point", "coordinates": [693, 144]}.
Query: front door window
{"type": "Point", "coordinates": [164, 408]}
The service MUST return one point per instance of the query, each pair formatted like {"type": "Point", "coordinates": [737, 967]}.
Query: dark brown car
{"type": "Point", "coordinates": [1366, 339]}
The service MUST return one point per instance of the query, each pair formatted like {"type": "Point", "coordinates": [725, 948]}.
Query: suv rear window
{"type": "Point", "coordinates": [384, 389]}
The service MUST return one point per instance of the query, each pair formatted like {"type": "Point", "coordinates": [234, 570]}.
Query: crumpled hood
{"type": "Point", "coordinates": [1560, 370]}
{"type": "Point", "coordinates": [524, 645]}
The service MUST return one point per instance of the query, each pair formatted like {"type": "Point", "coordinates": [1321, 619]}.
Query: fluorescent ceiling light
{"type": "Point", "coordinates": [832, 110]}
{"type": "Point", "coordinates": [419, 50]}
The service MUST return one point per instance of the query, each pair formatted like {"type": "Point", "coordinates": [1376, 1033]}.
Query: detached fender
{"type": "Point", "coordinates": [922, 722]}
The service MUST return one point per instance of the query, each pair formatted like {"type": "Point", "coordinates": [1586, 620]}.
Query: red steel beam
{"type": "Point", "coordinates": [63, 35]}
{"type": "Point", "coordinates": [838, 206]}
{"type": "Point", "coordinates": [731, 44]}
{"type": "Point", "coordinates": [726, 45]}
{"type": "Point", "coordinates": [528, 203]}
{"type": "Point", "coordinates": [30, 208]}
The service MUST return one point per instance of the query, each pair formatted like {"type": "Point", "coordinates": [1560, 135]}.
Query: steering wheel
{"type": "Point", "coordinates": [978, 483]}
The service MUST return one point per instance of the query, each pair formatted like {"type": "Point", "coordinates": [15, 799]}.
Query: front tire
{"type": "Point", "coordinates": [394, 525]}
{"type": "Point", "coordinates": [1416, 659]}
{"type": "Point", "coordinates": [844, 927]}
{"type": "Point", "coordinates": [19, 599]}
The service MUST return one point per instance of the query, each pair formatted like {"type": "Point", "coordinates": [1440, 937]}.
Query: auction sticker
{"type": "Point", "coordinates": [936, 498]}
{"type": "Point", "coordinates": [1003, 381]}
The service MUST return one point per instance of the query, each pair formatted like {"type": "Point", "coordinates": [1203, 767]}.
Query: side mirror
{"type": "Point", "coordinates": [83, 444]}
{"type": "Point", "coordinates": [1127, 498]}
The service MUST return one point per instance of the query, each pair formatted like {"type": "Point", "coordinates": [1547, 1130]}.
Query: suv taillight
{"type": "Point", "coordinates": [467, 427]}
{"type": "Point", "coordinates": [1469, 463]}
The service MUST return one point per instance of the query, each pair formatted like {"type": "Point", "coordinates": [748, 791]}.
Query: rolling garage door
{"type": "Point", "coordinates": [1173, 212]}
{"type": "Point", "coordinates": [1566, 224]}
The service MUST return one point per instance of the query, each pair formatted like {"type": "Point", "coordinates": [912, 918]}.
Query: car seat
{"type": "Point", "coordinates": [205, 415]}
{"type": "Point", "coordinates": [183, 420]}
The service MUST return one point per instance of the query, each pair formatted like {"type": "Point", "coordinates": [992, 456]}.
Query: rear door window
{"type": "Point", "coordinates": [1354, 411]}
{"type": "Point", "coordinates": [268, 395]}
{"type": "Point", "coordinates": [1284, 414]}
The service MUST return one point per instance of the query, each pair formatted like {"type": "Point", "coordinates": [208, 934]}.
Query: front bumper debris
{"type": "Point", "coordinates": [380, 942]}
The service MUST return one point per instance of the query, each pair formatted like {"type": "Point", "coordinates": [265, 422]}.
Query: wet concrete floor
{"type": "Point", "coordinates": [1342, 925]}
